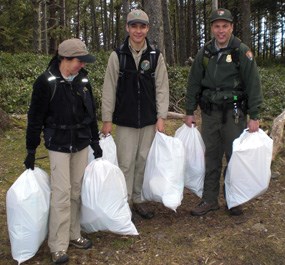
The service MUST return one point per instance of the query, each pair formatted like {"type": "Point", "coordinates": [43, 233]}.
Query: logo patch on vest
{"type": "Point", "coordinates": [145, 65]}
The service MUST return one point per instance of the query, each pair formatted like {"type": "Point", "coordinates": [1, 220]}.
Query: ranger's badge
{"type": "Point", "coordinates": [229, 58]}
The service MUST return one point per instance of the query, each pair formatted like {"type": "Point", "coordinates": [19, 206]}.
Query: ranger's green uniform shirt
{"type": "Point", "coordinates": [222, 72]}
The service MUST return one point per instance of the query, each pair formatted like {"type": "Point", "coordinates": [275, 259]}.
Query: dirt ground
{"type": "Point", "coordinates": [255, 238]}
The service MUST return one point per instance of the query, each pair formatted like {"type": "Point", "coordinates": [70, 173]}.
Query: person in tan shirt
{"type": "Point", "coordinates": [136, 99]}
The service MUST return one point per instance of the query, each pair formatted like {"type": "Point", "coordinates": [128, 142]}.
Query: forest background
{"type": "Point", "coordinates": [178, 27]}
{"type": "Point", "coordinates": [32, 30]}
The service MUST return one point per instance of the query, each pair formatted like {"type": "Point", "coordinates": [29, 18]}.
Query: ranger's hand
{"type": "Point", "coordinates": [190, 120]}
{"type": "Point", "coordinates": [106, 128]}
{"type": "Point", "coordinates": [253, 125]}
{"type": "Point", "coordinates": [160, 125]}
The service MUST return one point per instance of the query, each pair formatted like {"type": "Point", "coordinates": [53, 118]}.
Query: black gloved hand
{"type": "Point", "coordinates": [97, 149]}
{"type": "Point", "coordinates": [30, 160]}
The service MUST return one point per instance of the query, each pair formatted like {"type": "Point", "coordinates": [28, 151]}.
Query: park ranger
{"type": "Point", "coordinates": [225, 83]}
{"type": "Point", "coordinates": [135, 98]}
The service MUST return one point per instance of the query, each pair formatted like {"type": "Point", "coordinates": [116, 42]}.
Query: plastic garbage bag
{"type": "Point", "coordinates": [194, 173]}
{"type": "Point", "coordinates": [104, 200]}
{"type": "Point", "coordinates": [164, 171]}
{"type": "Point", "coordinates": [109, 149]}
{"type": "Point", "coordinates": [248, 172]}
{"type": "Point", "coordinates": [28, 203]}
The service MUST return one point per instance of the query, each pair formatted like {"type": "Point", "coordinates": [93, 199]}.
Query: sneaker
{"type": "Point", "coordinates": [81, 242]}
{"type": "Point", "coordinates": [204, 207]}
{"type": "Point", "coordinates": [141, 209]}
{"type": "Point", "coordinates": [59, 257]}
{"type": "Point", "coordinates": [236, 211]}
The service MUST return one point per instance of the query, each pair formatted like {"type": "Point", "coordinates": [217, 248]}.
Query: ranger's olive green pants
{"type": "Point", "coordinates": [133, 146]}
{"type": "Point", "coordinates": [218, 138]}
{"type": "Point", "coordinates": [67, 172]}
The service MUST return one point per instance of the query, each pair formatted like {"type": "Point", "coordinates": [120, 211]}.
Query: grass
{"type": "Point", "coordinates": [256, 238]}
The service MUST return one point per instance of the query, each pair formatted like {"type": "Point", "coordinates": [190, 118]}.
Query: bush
{"type": "Point", "coordinates": [273, 85]}
{"type": "Point", "coordinates": [177, 87]}
{"type": "Point", "coordinates": [18, 72]}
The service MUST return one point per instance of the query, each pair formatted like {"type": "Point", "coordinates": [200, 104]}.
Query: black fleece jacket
{"type": "Point", "coordinates": [68, 119]}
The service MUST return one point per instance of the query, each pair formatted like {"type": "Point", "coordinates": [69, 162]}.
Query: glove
{"type": "Point", "coordinates": [97, 149]}
{"type": "Point", "coordinates": [30, 160]}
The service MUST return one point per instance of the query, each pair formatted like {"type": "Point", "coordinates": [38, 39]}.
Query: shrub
{"type": "Point", "coordinates": [18, 72]}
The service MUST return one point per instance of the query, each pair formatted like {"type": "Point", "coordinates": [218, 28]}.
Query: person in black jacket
{"type": "Point", "coordinates": [63, 107]}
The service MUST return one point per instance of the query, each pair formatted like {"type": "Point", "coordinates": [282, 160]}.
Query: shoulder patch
{"type": "Point", "coordinates": [249, 55]}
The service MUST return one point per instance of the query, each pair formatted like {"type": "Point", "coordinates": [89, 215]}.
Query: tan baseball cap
{"type": "Point", "coordinates": [221, 14]}
{"type": "Point", "coordinates": [137, 16]}
{"type": "Point", "coordinates": [75, 48]}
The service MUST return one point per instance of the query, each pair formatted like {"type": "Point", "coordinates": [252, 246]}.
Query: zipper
{"type": "Point", "coordinates": [139, 104]}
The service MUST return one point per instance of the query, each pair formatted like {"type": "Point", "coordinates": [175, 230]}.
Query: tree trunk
{"type": "Point", "coordinates": [62, 19]}
{"type": "Point", "coordinates": [118, 38]}
{"type": "Point", "coordinates": [52, 26]}
{"type": "Point", "coordinates": [282, 30]}
{"type": "Point", "coordinates": [175, 115]}
{"type": "Point", "coordinates": [181, 29]}
{"type": "Point", "coordinates": [111, 25]}
{"type": "Point", "coordinates": [173, 23]}
{"type": "Point", "coordinates": [169, 53]}
{"type": "Point", "coordinates": [78, 20]}
{"type": "Point", "coordinates": [94, 34]}
{"type": "Point", "coordinates": [214, 4]}
{"type": "Point", "coordinates": [245, 22]}
{"type": "Point", "coordinates": [126, 10]}
{"type": "Point", "coordinates": [44, 28]}
{"type": "Point", "coordinates": [36, 26]}
{"type": "Point", "coordinates": [155, 34]}
{"type": "Point", "coordinates": [195, 46]}
{"type": "Point", "coordinates": [106, 27]}
{"type": "Point", "coordinates": [277, 133]}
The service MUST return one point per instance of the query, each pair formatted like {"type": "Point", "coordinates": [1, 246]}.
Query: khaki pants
{"type": "Point", "coordinates": [67, 170]}
{"type": "Point", "coordinates": [132, 149]}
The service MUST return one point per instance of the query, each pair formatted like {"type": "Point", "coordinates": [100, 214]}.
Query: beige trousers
{"type": "Point", "coordinates": [67, 170]}
{"type": "Point", "coordinates": [132, 149]}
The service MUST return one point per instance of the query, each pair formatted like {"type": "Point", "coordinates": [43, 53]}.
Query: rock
{"type": "Point", "coordinates": [259, 227]}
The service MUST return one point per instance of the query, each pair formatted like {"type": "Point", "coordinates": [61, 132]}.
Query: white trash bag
{"type": "Point", "coordinates": [194, 173]}
{"type": "Point", "coordinates": [28, 203]}
{"type": "Point", "coordinates": [109, 149]}
{"type": "Point", "coordinates": [164, 171]}
{"type": "Point", "coordinates": [248, 172]}
{"type": "Point", "coordinates": [104, 200]}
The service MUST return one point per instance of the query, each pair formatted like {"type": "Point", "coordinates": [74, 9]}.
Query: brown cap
{"type": "Point", "coordinates": [137, 16]}
{"type": "Point", "coordinates": [221, 14]}
{"type": "Point", "coordinates": [75, 48]}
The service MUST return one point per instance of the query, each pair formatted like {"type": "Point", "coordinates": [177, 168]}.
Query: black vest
{"type": "Point", "coordinates": [136, 92]}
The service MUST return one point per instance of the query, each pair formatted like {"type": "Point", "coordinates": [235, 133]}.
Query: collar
{"type": "Point", "coordinates": [217, 49]}
{"type": "Point", "coordinates": [135, 51]}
